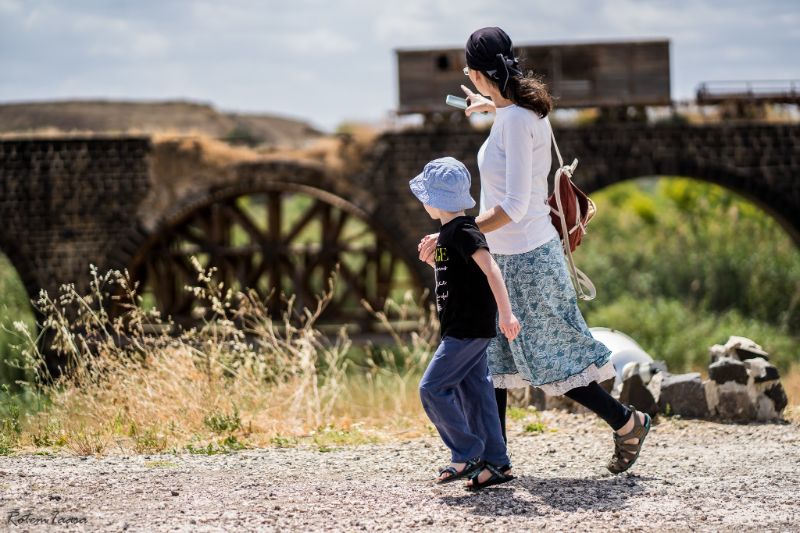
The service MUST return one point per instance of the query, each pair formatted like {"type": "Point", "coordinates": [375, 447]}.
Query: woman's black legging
{"type": "Point", "coordinates": [592, 396]}
{"type": "Point", "coordinates": [501, 395]}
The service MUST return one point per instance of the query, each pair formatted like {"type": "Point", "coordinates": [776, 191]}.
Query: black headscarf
{"type": "Point", "coordinates": [489, 50]}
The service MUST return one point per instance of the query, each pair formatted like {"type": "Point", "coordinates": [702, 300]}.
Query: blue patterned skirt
{"type": "Point", "coordinates": [554, 350]}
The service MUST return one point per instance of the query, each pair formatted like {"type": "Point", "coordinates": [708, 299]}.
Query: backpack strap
{"type": "Point", "coordinates": [555, 144]}
{"type": "Point", "coordinates": [584, 288]}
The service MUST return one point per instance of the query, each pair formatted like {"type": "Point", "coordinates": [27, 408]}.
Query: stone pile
{"type": "Point", "coordinates": [742, 386]}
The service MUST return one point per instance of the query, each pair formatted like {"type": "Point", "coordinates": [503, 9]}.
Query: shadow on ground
{"type": "Point", "coordinates": [564, 494]}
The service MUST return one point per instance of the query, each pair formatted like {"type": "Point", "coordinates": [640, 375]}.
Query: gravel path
{"type": "Point", "coordinates": [692, 476]}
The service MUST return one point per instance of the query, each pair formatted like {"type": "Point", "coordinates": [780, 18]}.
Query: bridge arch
{"type": "Point", "coordinates": [761, 197]}
{"type": "Point", "coordinates": [281, 226]}
{"type": "Point", "coordinates": [756, 162]}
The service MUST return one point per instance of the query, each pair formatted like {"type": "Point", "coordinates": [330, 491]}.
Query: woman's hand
{"type": "Point", "coordinates": [426, 248]}
{"type": "Point", "coordinates": [477, 103]}
{"type": "Point", "coordinates": [509, 325]}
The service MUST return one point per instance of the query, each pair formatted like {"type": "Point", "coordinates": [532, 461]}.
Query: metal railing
{"type": "Point", "coordinates": [777, 91]}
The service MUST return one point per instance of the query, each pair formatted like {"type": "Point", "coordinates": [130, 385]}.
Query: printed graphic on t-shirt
{"type": "Point", "coordinates": [441, 284]}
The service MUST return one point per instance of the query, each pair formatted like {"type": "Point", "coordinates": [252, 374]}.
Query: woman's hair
{"type": "Point", "coordinates": [491, 52]}
{"type": "Point", "coordinates": [530, 92]}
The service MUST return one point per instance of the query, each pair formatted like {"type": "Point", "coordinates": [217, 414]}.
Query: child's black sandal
{"type": "Point", "coordinates": [496, 478]}
{"type": "Point", "coordinates": [469, 468]}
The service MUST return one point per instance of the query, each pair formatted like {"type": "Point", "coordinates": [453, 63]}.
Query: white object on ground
{"type": "Point", "coordinates": [624, 349]}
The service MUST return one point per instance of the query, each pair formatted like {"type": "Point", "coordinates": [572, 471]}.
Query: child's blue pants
{"type": "Point", "coordinates": [458, 396]}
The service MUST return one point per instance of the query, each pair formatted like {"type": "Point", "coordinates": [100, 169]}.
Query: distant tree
{"type": "Point", "coordinates": [242, 135]}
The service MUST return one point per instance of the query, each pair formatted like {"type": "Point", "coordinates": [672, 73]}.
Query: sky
{"type": "Point", "coordinates": [331, 61]}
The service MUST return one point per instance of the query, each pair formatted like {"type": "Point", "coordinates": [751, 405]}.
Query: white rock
{"type": "Point", "coordinates": [716, 352]}
{"type": "Point", "coordinates": [743, 343]}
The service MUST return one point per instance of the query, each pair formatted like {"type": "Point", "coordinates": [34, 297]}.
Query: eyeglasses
{"type": "Point", "coordinates": [466, 71]}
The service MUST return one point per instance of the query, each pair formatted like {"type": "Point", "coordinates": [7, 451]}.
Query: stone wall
{"type": "Point", "coordinates": [68, 203]}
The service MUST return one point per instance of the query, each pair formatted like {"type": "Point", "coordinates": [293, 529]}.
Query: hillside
{"type": "Point", "coordinates": [151, 117]}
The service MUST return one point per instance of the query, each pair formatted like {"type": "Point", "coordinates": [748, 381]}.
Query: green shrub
{"type": "Point", "coordinates": [220, 422]}
{"type": "Point", "coordinates": [14, 307]}
{"type": "Point", "coordinates": [672, 331]}
{"type": "Point", "coordinates": [694, 242]}
{"type": "Point", "coordinates": [535, 427]}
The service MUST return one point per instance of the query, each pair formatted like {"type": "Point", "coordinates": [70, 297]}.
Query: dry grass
{"type": "Point", "coordinates": [241, 379]}
{"type": "Point", "coordinates": [791, 383]}
{"type": "Point", "coordinates": [342, 153]}
{"type": "Point", "coordinates": [209, 152]}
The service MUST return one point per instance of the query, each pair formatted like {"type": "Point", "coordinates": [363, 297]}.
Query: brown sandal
{"type": "Point", "coordinates": [625, 454]}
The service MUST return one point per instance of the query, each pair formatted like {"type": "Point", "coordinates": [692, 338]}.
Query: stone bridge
{"type": "Point", "coordinates": [131, 202]}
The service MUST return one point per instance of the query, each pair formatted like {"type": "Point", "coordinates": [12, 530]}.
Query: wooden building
{"type": "Point", "coordinates": [610, 74]}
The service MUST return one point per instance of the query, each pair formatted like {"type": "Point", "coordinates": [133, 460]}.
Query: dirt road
{"type": "Point", "coordinates": [692, 476]}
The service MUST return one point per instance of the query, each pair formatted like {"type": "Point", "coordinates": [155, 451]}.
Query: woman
{"type": "Point", "coordinates": [555, 350]}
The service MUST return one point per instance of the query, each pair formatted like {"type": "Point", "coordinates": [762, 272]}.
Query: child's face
{"type": "Point", "coordinates": [432, 211]}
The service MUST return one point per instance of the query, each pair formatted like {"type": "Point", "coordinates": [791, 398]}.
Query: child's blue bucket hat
{"type": "Point", "coordinates": [444, 184]}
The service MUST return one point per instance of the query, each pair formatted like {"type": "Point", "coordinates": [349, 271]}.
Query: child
{"type": "Point", "coordinates": [456, 390]}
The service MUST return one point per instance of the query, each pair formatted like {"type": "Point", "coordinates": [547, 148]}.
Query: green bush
{"type": "Point", "coordinates": [693, 242]}
{"type": "Point", "coordinates": [14, 306]}
{"type": "Point", "coordinates": [680, 265]}
{"type": "Point", "coordinates": [670, 330]}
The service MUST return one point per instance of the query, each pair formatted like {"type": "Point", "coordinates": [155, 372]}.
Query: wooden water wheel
{"type": "Point", "coordinates": [280, 239]}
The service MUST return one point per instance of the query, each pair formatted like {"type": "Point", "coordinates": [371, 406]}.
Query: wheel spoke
{"type": "Point", "coordinates": [307, 217]}
{"type": "Point", "coordinates": [244, 220]}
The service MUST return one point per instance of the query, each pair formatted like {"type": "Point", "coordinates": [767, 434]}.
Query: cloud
{"type": "Point", "coordinates": [120, 38]}
{"type": "Point", "coordinates": [407, 21]}
{"type": "Point", "coordinates": [319, 41]}
{"type": "Point", "coordinates": [273, 55]}
{"type": "Point", "coordinates": [10, 7]}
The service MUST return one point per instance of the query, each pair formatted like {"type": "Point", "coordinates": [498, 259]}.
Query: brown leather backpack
{"type": "Point", "coordinates": [570, 211]}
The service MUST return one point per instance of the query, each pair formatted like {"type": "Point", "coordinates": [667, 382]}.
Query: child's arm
{"type": "Point", "coordinates": [509, 324]}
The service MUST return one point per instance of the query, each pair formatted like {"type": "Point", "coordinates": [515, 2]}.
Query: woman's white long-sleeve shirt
{"type": "Point", "coordinates": [514, 163]}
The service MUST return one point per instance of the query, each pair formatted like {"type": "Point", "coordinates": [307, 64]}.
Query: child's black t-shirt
{"type": "Point", "coordinates": [464, 300]}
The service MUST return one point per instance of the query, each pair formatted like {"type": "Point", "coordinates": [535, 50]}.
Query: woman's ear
{"type": "Point", "coordinates": [476, 77]}
{"type": "Point", "coordinates": [483, 83]}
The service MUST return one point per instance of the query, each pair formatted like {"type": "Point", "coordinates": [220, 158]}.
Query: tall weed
{"type": "Point", "coordinates": [136, 382]}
